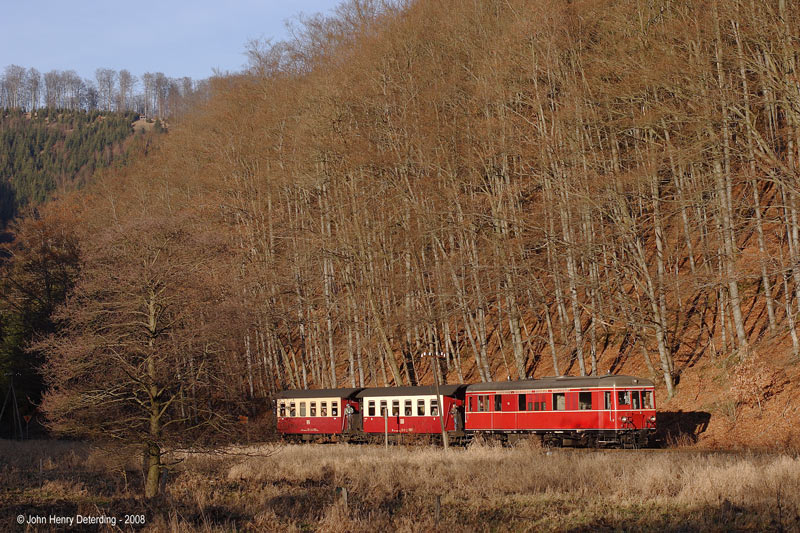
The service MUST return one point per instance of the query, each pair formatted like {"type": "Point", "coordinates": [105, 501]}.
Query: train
{"type": "Point", "coordinates": [587, 411]}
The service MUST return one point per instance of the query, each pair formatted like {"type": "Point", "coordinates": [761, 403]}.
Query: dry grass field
{"type": "Point", "coordinates": [481, 488]}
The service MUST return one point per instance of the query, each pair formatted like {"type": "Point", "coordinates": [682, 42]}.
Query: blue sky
{"type": "Point", "coordinates": [176, 37]}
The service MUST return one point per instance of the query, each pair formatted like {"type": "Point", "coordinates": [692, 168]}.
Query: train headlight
{"type": "Point", "coordinates": [624, 418]}
{"type": "Point", "coordinates": [652, 419]}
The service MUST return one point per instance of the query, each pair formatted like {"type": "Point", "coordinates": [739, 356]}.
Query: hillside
{"type": "Point", "coordinates": [46, 154]}
{"type": "Point", "coordinates": [535, 189]}
{"type": "Point", "coordinates": [50, 150]}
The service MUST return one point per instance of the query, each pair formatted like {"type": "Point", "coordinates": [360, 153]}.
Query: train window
{"type": "Point", "coordinates": [584, 400]}
{"type": "Point", "coordinates": [498, 402]}
{"type": "Point", "coordinates": [531, 404]}
{"type": "Point", "coordinates": [521, 402]}
{"type": "Point", "coordinates": [624, 398]}
{"type": "Point", "coordinates": [559, 401]}
{"type": "Point", "coordinates": [471, 404]}
{"type": "Point", "coordinates": [635, 402]}
{"type": "Point", "coordinates": [607, 398]}
{"type": "Point", "coordinates": [313, 409]}
{"type": "Point", "coordinates": [282, 408]}
{"type": "Point", "coordinates": [384, 411]}
{"type": "Point", "coordinates": [371, 408]}
{"type": "Point", "coordinates": [323, 408]}
{"type": "Point", "coordinates": [292, 411]}
{"type": "Point", "coordinates": [395, 408]}
{"type": "Point", "coordinates": [647, 399]}
{"type": "Point", "coordinates": [435, 407]}
{"type": "Point", "coordinates": [420, 407]}
{"type": "Point", "coordinates": [302, 408]}
{"type": "Point", "coordinates": [335, 408]}
{"type": "Point", "coordinates": [480, 404]}
{"type": "Point", "coordinates": [408, 408]}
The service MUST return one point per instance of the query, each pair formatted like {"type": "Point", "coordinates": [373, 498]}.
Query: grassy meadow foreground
{"type": "Point", "coordinates": [481, 488]}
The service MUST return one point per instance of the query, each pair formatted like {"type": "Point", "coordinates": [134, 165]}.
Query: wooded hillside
{"type": "Point", "coordinates": [47, 150]}
{"type": "Point", "coordinates": [534, 188]}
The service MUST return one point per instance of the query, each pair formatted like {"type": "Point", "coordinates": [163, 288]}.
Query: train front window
{"type": "Point", "coordinates": [420, 407]}
{"type": "Point", "coordinates": [584, 400]}
{"type": "Point", "coordinates": [559, 401]}
{"type": "Point", "coordinates": [647, 399]}
{"type": "Point", "coordinates": [635, 396]}
{"type": "Point", "coordinates": [623, 398]}
{"type": "Point", "coordinates": [323, 409]}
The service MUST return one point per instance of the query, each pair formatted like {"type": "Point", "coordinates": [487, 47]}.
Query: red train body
{"type": "Point", "coordinates": [414, 410]}
{"type": "Point", "coordinates": [583, 410]}
{"type": "Point", "coordinates": [601, 411]}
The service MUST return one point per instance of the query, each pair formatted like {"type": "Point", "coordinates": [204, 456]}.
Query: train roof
{"type": "Point", "coordinates": [444, 390]}
{"type": "Point", "coordinates": [318, 393]}
{"type": "Point", "coordinates": [563, 382]}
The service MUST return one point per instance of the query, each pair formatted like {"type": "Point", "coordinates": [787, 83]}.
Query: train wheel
{"type": "Point", "coordinates": [552, 441]}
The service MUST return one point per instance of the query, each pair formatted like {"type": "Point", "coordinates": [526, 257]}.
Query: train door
{"type": "Point", "coordinates": [496, 405]}
{"type": "Point", "coordinates": [352, 413]}
{"type": "Point", "coordinates": [624, 406]}
{"type": "Point", "coordinates": [608, 414]}
{"type": "Point", "coordinates": [508, 416]}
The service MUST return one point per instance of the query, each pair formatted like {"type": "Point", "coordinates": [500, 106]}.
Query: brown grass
{"type": "Point", "coordinates": [482, 488]}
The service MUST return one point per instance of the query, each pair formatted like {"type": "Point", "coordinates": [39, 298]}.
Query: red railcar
{"type": "Point", "coordinates": [321, 412]}
{"type": "Point", "coordinates": [412, 410]}
{"type": "Point", "coordinates": [602, 411]}
{"type": "Point", "coordinates": [605, 410]}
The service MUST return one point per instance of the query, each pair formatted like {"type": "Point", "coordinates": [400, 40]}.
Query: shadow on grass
{"type": "Point", "coordinates": [681, 427]}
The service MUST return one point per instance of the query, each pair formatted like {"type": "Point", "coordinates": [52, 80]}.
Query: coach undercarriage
{"type": "Point", "coordinates": [628, 439]}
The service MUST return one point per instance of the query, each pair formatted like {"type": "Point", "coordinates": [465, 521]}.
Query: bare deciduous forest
{"type": "Point", "coordinates": [534, 188]}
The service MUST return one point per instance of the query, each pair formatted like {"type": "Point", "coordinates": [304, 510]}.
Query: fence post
{"type": "Point", "coordinates": [341, 492]}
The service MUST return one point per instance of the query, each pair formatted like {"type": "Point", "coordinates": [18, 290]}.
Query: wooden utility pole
{"type": "Point", "coordinates": [435, 358]}
{"type": "Point", "coordinates": [11, 398]}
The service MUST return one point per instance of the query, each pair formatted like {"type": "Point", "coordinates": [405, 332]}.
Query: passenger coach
{"type": "Point", "coordinates": [413, 410]}
{"type": "Point", "coordinates": [324, 412]}
{"type": "Point", "coordinates": [607, 410]}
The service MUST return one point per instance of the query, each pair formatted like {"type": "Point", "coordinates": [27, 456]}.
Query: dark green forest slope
{"type": "Point", "coordinates": [42, 153]}
{"type": "Point", "coordinates": [53, 149]}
